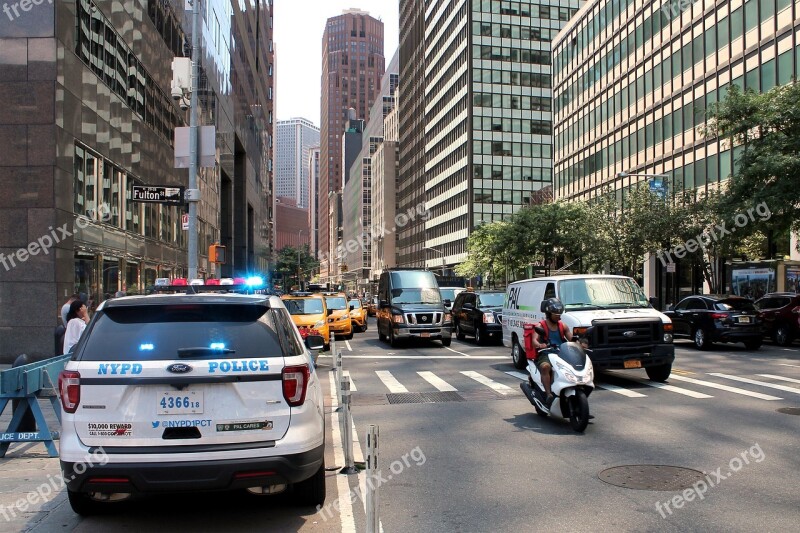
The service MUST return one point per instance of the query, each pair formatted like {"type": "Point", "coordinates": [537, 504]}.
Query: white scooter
{"type": "Point", "coordinates": [572, 384]}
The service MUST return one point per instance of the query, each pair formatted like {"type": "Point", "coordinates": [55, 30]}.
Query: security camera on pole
{"type": "Point", "coordinates": [200, 150]}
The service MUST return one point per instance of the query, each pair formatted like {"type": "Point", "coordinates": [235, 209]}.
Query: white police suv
{"type": "Point", "coordinates": [191, 392]}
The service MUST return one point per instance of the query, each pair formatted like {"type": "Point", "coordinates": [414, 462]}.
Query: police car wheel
{"type": "Point", "coordinates": [311, 492]}
{"type": "Point", "coordinates": [84, 505]}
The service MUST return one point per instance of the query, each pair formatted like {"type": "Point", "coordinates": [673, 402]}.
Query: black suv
{"type": "Point", "coordinates": [780, 313]}
{"type": "Point", "coordinates": [711, 318]}
{"type": "Point", "coordinates": [477, 314]}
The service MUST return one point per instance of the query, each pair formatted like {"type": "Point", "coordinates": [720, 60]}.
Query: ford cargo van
{"type": "Point", "coordinates": [627, 332]}
{"type": "Point", "coordinates": [410, 306]}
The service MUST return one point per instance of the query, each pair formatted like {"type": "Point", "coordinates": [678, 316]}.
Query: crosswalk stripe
{"type": "Point", "coordinates": [756, 382]}
{"type": "Point", "coordinates": [725, 388]}
{"type": "Point", "coordinates": [786, 364]}
{"type": "Point", "coordinates": [622, 390]}
{"type": "Point", "coordinates": [518, 375]}
{"type": "Point", "coordinates": [671, 388]}
{"type": "Point", "coordinates": [391, 383]}
{"type": "Point", "coordinates": [436, 381]}
{"type": "Point", "coordinates": [790, 380]}
{"type": "Point", "coordinates": [352, 383]}
{"type": "Point", "coordinates": [480, 378]}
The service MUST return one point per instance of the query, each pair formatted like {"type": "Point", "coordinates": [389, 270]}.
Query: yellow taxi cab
{"type": "Point", "coordinates": [310, 315]}
{"type": "Point", "coordinates": [339, 320]}
{"type": "Point", "coordinates": [358, 314]}
{"type": "Point", "coordinates": [372, 306]}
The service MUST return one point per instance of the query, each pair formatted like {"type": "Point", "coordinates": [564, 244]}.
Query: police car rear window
{"type": "Point", "coordinates": [149, 333]}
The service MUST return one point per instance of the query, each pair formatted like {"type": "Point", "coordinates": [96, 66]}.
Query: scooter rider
{"type": "Point", "coordinates": [557, 334]}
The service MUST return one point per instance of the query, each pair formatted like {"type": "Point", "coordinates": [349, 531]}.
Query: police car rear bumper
{"type": "Point", "coordinates": [192, 476]}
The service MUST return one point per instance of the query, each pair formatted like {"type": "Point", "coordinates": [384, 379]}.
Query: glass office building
{"type": "Point", "coordinates": [632, 82]}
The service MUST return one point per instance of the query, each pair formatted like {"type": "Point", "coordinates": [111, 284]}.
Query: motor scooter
{"type": "Point", "coordinates": [573, 380]}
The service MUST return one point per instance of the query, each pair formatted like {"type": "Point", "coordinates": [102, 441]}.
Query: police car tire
{"type": "Point", "coordinates": [312, 491]}
{"type": "Point", "coordinates": [83, 505]}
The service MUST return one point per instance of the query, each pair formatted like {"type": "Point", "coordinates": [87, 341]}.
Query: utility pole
{"type": "Point", "coordinates": [193, 194]}
{"type": "Point", "coordinates": [299, 282]}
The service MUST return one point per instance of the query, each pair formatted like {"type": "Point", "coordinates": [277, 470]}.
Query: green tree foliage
{"type": "Point", "coordinates": [287, 264]}
{"type": "Point", "coordinates": [766, 127]}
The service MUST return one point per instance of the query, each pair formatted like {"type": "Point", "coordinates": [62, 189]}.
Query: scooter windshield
{"type": "Point", "coordinates": [573, 354]}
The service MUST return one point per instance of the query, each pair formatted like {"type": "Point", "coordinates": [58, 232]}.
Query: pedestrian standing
{"type": "Point", "coordinates": [77, 318]}
{"type": "Point", "coordinates": [65, 308]}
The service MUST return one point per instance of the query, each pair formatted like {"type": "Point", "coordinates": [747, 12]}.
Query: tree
{"type": "Point", "coordinates": [486, 247]}
{"type": "Point", "coordinates": [288, 264]}
{"type": "Point", "coordinates": [765, 128]}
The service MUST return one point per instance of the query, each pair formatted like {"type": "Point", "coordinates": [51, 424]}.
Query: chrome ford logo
{"type": "Point", "coordinates": [629, 334]}
{"type": "Point", "coordinates": [179, 368]}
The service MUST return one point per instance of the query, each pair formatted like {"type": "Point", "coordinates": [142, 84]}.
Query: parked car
{"type": "Point", "coordinates": [476, 313]}
{"type": "Point", "coordinates": [711, 318]}
{"type": "Point", "coordinates": [358, 314]}
{"type": "Point", "coordinates": [780, 315]}
{"type": "Point", "coordinates": [187, 393]}
{"type": "Point", "coordinates": [449, 296]}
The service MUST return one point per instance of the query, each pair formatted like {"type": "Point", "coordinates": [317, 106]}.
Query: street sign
{"type": "Point", "coordinates": [158, 195]}
{"type": "Point", "coordinates": [185, 221]}
{"type": "Point", "coordinates": [658, 186]}
{"type": "Point", "coordinates": [670, 267]}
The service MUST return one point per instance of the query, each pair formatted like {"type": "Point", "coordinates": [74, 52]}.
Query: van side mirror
{"type": "Point", "coordinates": [653, 301]}
{"type": "Point", "coordinates": [330, 312]}
{"type": "Point", "coordinates": [352, 307]}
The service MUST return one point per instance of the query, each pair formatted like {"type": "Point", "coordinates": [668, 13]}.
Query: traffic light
{"type": "Point", "coordinates": [216, 253]}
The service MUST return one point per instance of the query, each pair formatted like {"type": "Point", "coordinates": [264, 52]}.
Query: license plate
{"type": "Point", "coordinates": [180, 403]}
{"type": "Point", "coordinates": [635, 363]}
{"type": "Point", "coordinates": [424, 334]}
{"type": "Point", "coordinates": [744, 319]}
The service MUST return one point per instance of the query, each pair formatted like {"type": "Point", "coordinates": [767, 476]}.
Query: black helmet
{"type": "Point", "coordinates": [553, 305]}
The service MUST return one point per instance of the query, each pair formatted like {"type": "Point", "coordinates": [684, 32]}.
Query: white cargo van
{"type": "Point", "coordinates": [627, 331]}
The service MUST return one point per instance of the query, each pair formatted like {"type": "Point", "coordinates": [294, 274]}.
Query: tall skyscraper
{"type": "Point", "coordinates": [352, 66]}
{"type": "Point", "coordinates": [410, 240]}
{"type": "Point", "coordinates": [294, 139]}
{"type": "Point", "coordinates": [487, 115]}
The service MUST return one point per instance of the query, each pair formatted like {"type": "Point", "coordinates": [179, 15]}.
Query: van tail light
{"type": "Point", "coordinates": [69, 386]}
{"type": "Point", "coordinates": [295, 384]}
{"type": "Point", "coordinates": [719, 316]}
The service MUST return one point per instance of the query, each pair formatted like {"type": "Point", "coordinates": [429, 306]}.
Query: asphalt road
{"type": "Point", "coordinates": [491, 464]}
{"type": "Point", "coordinates": [462, 450]}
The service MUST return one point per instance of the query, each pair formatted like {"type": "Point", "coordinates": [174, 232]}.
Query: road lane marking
{"type": "Point", "coordinates": [756, 382]}
{"type": "Point", "coordinates": [391, 383]}
{"type": "Point", "coordinates": [347, 343]}
{"type": "Point", "coordinates": [622, 390]}
{"type": "Point", "coordinates": [352, 383]}
{"type": "Point", "coordinates": [671, 388]}
{"type": "Point", "coordinates": [683, 372]}
{"type": "Point", "coordinates": [436, 381]}
{"type": "Point", "coordinates": [456, 351]}
{"type": "Point", "coordinates": [726, 388]}
{"type": "Point", "coordinates": [495, 386]}
{"type": "Point", "coordinates": [342, 482]}
{"type": "Point", "coordinates": [786, 364]}
{"type": "Point", "coordinates": [790, 380]}
{"type": "Point", "coordinates": [473, 357]}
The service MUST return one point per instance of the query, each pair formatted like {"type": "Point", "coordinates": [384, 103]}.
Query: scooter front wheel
{"type": "Point", "coordinates": [579, 411]}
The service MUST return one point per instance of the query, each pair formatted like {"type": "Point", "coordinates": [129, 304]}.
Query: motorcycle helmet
{"type": "Point", "coordinates": [553, 305]}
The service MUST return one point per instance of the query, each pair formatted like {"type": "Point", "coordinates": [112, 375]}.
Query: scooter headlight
{"type": "Point", "coordinates": [568, 374]}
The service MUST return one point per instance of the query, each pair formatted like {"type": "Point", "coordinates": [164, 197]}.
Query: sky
{"type": "Point", "coordinates": [298, 29]}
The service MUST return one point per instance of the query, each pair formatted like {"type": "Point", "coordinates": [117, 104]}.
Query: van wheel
{"type": "Point", "coordinates": [659, 373]}
{"type": "Point", "coordinates": [446, 341]}
{"type": "Point", "coordinates": [381, 336]}
{"type": "Point", "coordinates": [518, 356]}
{"type": "Point", "coordinates": [459, 333]}
{"type": "Point", "coordinates": [392, 341]}
{"type": "Point", "coordinates": [479, 337]}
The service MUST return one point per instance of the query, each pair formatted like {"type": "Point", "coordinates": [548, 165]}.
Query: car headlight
{"type": "Point", "coordinates": [488, 318]}
{"type": "Point", "coordinates": [344, 317]}
{"type": "Point", "coordinates": [398, 319]}
{"type": "Point", "coordinates": [319, 324]}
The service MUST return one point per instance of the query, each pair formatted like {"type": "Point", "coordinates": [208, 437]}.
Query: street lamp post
{"type": "Point", "coordinates": [440, 253]}
{"type": "Point", "coordinates": [299, 282]}
{"type": "Point", "coordinates": [192, 194]}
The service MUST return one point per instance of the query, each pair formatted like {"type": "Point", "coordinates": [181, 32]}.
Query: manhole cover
{"type": "Point", "coordinates": [789, 410]}
{"type": "Point", "coordinates": [424, 397]}
{"type": "Point", "coordinates": [651, 477]}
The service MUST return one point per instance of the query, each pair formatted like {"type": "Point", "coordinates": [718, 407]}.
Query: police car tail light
{"type": "Point", "coordinates": [69, 385]}
{"type": "Point", "coordinates": [295, 384]}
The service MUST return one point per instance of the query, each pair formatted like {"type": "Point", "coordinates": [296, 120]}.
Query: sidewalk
{"type": "Point", "coordinates": [31, 494]}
